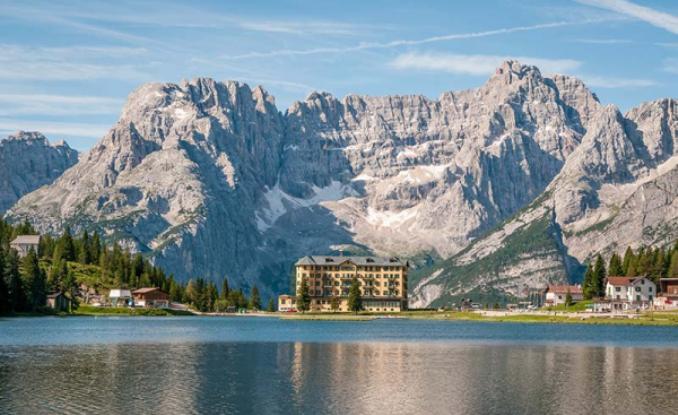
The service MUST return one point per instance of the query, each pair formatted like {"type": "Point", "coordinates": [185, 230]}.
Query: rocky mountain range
{"type": "Point", "coordinates": [211, 179]}
{"type": "Point", "coordinates": [28, 161]}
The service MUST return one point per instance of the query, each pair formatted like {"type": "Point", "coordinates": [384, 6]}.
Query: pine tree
{"type": "Point", "coordinates": [15, 288]}
{"type": "Point", "coordinates": [615, 267]}
{"type": "Point", "coordinates": [4, 292]}
{"type": "Point", "coordinates": [255, 299]}
{"type": "Point", "coordinates": [271, 305]}
{"type": "Point", "coordinates": [85, 250]}
{"type": "Point", "coordinates": [34, 280]}
{"type": "Point", "coordinates": [67, 245]}
{"type": "Point", "coordinates": [211, 296]}
{"type": "Point", "coordinates": [629, 257]}
{"type": "Point", "coordinates": [303, 297]}
{"type": "Point", "coordinates": [673, 266]}
{"type": "Point", "coordinates": [95, 248]}
{"type": "Point", "coordinates": [599, 276]}
{"type": "Point", "coordinates": [355, 302]}
{"type": "Point", "coordinates": [568, 298]}
{"type": "Point", "coordinates": [588, 287]}
{"type": "Point", "coordinates": [224, 288]}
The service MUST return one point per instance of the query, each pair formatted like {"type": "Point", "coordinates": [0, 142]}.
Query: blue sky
{"type": "Point", "coordinates": [67, 67]}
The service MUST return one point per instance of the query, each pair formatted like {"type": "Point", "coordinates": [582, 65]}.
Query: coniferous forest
{"type": "Point", "coordinates": [68, 263]}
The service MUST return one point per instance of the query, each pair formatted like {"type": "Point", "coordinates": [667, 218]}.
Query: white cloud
{"type": "Point", "coordinates": [615, 82]}
{"type": "Point", "coordinates": [53, 127]}
{"type": "Point", "coordinates": [43, 104]}
{"type": "Point", "coordinates": [476, 64]}
{"type": "Point", "coordinates": [68, 63]}
{"type": "Point", "coordinates": [654, 17]}
{"type": "Point", "coordinates": [400, 42]}
{"type": "Point", "coordinates": [604, 41]}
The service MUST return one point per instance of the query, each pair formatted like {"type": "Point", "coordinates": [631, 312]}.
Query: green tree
{"type": "Point", "coordinates": [212, 295]}
{"type": "Point", "coordinates": [70, 289]}
{"type": "Point", "coordinates": [4, 291]}
{"type": "Point", "coordinates": [629, 257]}
{"type": "Point", "coordinates": [225, 290]}
{"type": "Point", "coordinates": [15, 288]}
{"type": "Point", "coordinates": [615, 267]}
{"type": "Point", "coordinates": [588, 286]}
{"type": "Point", "coordinates": [271, 305]}
{"type": "Point", "coordinates": [599, 275]}
{"type": "Point", "coordinates": [303, 297]}
{"type": "Point", "coordinates": [335, 303]}
{"type": "Point", "coordinates": [568, 298]}
{"type": "Point", "coordinates": [34, 280]}
{"type": "Point", "coordinates": [673, 266]}
{"type": "Point", "coordinates": [84, 249]}
{"type": "Point", "coordinates": [255, 299]}
{"type": "Point", "coordinates": [355, 302]}
{"type": "Point", "coordinates": [67, 245]}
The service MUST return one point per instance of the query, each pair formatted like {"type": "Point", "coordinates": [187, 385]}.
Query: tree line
{"type": "Point", "coordinates": [26, 282]}
{"type": "Point", "coordinates": [653, 263]}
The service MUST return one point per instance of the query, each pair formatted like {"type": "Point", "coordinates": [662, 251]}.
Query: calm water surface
{"type": "Point", "coordinates": [259, 365]}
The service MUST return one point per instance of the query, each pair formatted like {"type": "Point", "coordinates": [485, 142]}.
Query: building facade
{"type": "Point", "coordinates": [557, 294]}
{"type": "Point", "coordinates": [668, 296]}
{"type": "Point", "coordinates": [383, 281]}
{"type": "Point", "coordinates": [24, 243]}
{"type": "Point", "coordinates": [627, 293]}
{"type": "Point", "coordinates": [287, 303]}
{"type": "Point", "coordinates": [151, 297]}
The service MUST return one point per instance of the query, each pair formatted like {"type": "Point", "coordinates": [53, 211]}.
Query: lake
{"type": "Point", "coordinates": [218, 365]}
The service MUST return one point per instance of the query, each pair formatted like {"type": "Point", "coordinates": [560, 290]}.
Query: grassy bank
{"type": "Point", "coordinates": [644, 319]}
{"type": "Point", "coordinates": [86, 310]}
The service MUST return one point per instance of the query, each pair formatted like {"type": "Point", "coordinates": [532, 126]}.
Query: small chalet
{"type": "Point", "coordinates": [557, 294]}
{"type": "Point", "coordinates": [24, 243]}
{"type": "Point", "coordinates": [287, 303]}
{"type": "Point", "coordinates": [58, 302]}
{"type": "Point", "coordinates": [151, 297]}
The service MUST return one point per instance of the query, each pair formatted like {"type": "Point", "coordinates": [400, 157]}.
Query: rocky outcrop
{"type": "Point", "coordinates": [619, 188]}
{"type": "Point", "coordinates": [29, 161]}
{"type": "Point", "coordinates": [210, 179]}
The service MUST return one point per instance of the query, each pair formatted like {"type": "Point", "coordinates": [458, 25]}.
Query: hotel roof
{"type": "Point", "coordinates": [357, 260]}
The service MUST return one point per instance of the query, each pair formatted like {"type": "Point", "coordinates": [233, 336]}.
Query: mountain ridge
{"type": "Point", "coordinates": [210, 178]}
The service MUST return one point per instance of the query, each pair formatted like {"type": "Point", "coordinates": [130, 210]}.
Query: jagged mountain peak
{"type": "Point", "coordinates": [210, 178]}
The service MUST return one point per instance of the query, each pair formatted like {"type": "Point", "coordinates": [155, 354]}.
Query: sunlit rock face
{"type": "Point", "coordinates": [211, 179]}
{"type": "Point", "coordinates": [27, 161]}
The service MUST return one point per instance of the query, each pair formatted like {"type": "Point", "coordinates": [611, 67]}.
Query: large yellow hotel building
{"type": "Point", "coordinates": [383, 282]}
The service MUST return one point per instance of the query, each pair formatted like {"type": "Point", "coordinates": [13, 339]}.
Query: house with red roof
{"type": "Point", "coordinates": [630, 292]}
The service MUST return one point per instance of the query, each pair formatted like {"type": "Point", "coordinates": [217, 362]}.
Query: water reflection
{"type": "Point", "coordinates": [351, 378]}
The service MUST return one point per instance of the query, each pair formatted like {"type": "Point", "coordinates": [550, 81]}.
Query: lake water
{"type": "Point", "coordinates": [260, 365]}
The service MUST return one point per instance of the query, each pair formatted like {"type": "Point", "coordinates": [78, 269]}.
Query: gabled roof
{"type": "Point", "coordinates": [357, 260]}
{"type": "Point", "coordinates": [27, 239]}
{"type": "Point", "coordinates": [623, 281]}
{"type": "Point", "coordinates": [145, 290]}
{"type": "Point", "coordinates": [563, 289]}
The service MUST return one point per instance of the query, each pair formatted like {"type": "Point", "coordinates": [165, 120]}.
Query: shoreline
{"type": "Point", "coordinates": [657, 318]}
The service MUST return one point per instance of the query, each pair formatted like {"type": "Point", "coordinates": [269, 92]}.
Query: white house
{"type": "Point", "coordinates": [24, 243]}
{"type": "Point", "coordinates": [636, 290]}
{"type": "Point", "coordinates": [557, 294]}
{"type": "Point", "coordinates": [120, 297]}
